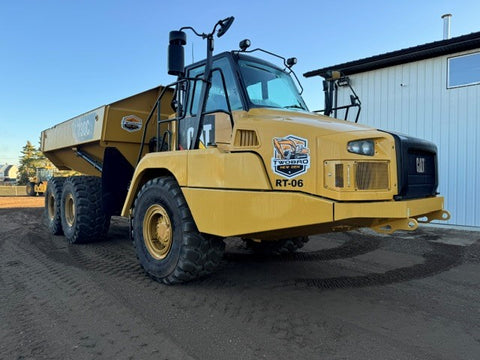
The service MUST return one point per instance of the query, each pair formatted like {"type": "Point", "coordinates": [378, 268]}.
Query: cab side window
{"type": "Point", "coordinates": [217, 100]}
{"type": "Point", "coordinates": [195, 89]}
{"type": "Point", "coordinates": [230, 83]}
{"type": "Point", "coordinates": [223, 84]}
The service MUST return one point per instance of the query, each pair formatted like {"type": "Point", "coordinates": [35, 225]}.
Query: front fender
{"type": "Point", "coordinates": [154, 165]}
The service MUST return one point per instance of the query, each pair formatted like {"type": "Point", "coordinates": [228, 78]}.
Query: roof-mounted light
{"type": "Point", "coordinates": [291, 61]}
{"type": "Point", "coordinates": [244, 44]}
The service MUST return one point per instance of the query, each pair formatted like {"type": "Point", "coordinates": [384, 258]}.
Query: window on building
{"type": "Point", "coordinates": [464, 70]}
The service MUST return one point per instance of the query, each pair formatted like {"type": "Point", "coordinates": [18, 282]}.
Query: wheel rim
{"type": "Point", "coordinates": [69, 209]}
{"type": "Point", "coordinates": [157, 232]}
{"type": "Point", "coordinates": [51, 206]}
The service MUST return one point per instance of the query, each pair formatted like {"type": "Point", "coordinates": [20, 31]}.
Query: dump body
{"type": "Point", "coordinates": [117, 125]}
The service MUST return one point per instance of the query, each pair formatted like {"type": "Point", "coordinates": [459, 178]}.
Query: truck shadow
{"type": "Point", "coordinates": [442, 258]}
{"type": "Point", "coordinates": [353, 246]}
{"type": "Point", "coordinates": [438, 257]}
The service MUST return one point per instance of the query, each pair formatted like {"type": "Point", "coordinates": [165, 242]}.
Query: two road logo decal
{"type": "Point", "coordinates": [131, 123]}
{"type": "Point", "coordinates": [291, 156]}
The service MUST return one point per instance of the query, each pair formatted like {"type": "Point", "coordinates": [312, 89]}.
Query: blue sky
{"type": "Point", "coordinates": [59, 59]}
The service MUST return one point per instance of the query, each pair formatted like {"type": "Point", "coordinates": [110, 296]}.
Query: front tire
{"type": "Point", "coordinates": [82, 215]}
{"type": "Point", "coordinates": [30, 189]}
{"type": "Point", "coordinates": [167, 242]}
{"type": "Point", "coordinates": [53, 211]}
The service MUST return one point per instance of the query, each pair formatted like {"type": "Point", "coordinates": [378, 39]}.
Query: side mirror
{"type": "Point", "coordinates": [225, 25]}
{"type": "Point", "coordinates": [176, 53]}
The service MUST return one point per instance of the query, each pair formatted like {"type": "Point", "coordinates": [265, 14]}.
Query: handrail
{"type": "Point", "coordinates": [157, 103]}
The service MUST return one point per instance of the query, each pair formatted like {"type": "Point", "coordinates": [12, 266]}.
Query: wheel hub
{"type": "Point", "coordinates": [157, 232]}
{"type": "Point", "coordinates": [51, 206]}
{"type": "Point", "coordinates": [70, 210]}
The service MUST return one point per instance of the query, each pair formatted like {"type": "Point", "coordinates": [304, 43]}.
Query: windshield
{"type": "Point", "coordinates": [44, 174]}
{"type": "Point", "coordinates": [270, 87]}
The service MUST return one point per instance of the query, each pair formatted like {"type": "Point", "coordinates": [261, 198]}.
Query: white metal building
{"type": "Point", "coordinates": [431, 91]}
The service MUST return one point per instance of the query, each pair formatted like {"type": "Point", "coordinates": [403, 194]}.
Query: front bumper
{"type": "Point", "coordinates": [275, 215]}
{"type": "Point", "coordinates": [394, 215]}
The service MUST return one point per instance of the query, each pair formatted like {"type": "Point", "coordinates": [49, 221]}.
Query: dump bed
{"type": "Point", "coordinates": [119, 125]}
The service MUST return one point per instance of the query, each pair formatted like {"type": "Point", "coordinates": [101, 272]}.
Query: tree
{"type": "Point", "coordinates": [31, 159]}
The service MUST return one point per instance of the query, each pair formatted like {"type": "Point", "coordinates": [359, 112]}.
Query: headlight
{"type": "Point", "coordinates": [362, 147]}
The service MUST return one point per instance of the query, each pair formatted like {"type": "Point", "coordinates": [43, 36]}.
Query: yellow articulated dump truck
{"type": "Point", "coordinates": [230, 149]}
{"type": "Point", "coordinates": [38, 183]}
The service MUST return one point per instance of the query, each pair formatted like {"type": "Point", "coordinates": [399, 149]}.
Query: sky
{"type": "Point", "coordinates": [59, 59]}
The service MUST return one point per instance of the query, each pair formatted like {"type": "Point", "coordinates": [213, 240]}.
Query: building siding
{"type": "Point", "coordinates": [413, 99]}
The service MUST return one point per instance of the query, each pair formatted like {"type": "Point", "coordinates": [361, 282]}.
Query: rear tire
{"type": "Point", "coordinates": [53, 212]}
{"type": "Point", "coordinates": [167, 242]}
{"type": "Point", "coordinates": [30, 189]}
{"type": "Point", "coordinates": [279, 247]}
{"type": "Point", "coordinates": [82, 215]}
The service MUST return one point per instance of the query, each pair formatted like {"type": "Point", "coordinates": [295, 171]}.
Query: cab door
{"type": "Point", "coordinates": [223, 98]}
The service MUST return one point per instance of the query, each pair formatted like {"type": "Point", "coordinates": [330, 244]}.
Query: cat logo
{"type": "Point", "coordinates": [291, 156]}
{"type": "Point", "coordinates": [131, 123]}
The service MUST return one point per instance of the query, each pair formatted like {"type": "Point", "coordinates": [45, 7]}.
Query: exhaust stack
{"type": "Point", "coordinates": [446, 26]}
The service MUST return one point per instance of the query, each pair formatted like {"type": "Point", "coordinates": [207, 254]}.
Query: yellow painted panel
{"type": "Point", "coordinates": [235, 213]}
{"type": "Point", "coordinates": [388, 209]}
{"type": "Point", "coordinates": [67, 159]}
{"type": "Point", "coordinates": [81, 129]}
{"type": "Point", "coordinates": [175, 162]}
{"type": "Point", "coordinates": [326, 140]}
{"type": "Point", "coordinates": [139, 106]}
{"type": "Point", "coordinates": [215, 169]}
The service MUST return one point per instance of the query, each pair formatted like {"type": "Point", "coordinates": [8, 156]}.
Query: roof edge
{"type": "Point", "coordinates": [398, 57]}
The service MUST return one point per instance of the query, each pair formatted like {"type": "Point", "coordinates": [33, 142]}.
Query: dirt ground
{"type": "Point", "coordinates": [354, 295]}
{"type": "Point", "coordinates": [8, 202]}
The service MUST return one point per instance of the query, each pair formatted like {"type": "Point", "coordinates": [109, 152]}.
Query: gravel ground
{"type": "Point", "coordinates": [355, 295]}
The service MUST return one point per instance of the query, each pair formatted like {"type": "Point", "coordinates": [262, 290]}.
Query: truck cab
{"type": "Point", "coordinates": [238, 83]}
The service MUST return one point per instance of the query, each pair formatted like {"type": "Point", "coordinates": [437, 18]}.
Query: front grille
{"type": "Point", "coordinates": [339, 175]}
{"type": "Point", "coordinates": [420, 172]}
{"type": "Point", "coordinates": [371, 175]}
{"type": "Point", "coordinates": [352, 175]}
{"type": "Point", "coordinates": [416, 167]}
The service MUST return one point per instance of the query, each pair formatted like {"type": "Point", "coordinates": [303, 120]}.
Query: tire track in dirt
{"type": "Point", "coordinates": [241, 302]}
{"type": "Point", "coordinates": [22, 331]}
{"type": "Point", "coordinates": [438, 257]}
{"type": "Point", "coordinates": [47, 288]}
{"type": "Point", "coordinates": [441, 258]}
{"type": "Point", "coordinates": [116, 260]}
{"type": "Point", "coordinates": [260, 313]}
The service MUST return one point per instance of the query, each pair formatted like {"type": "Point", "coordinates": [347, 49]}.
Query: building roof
{"type": "Point", "coordinates": [416, 53]}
